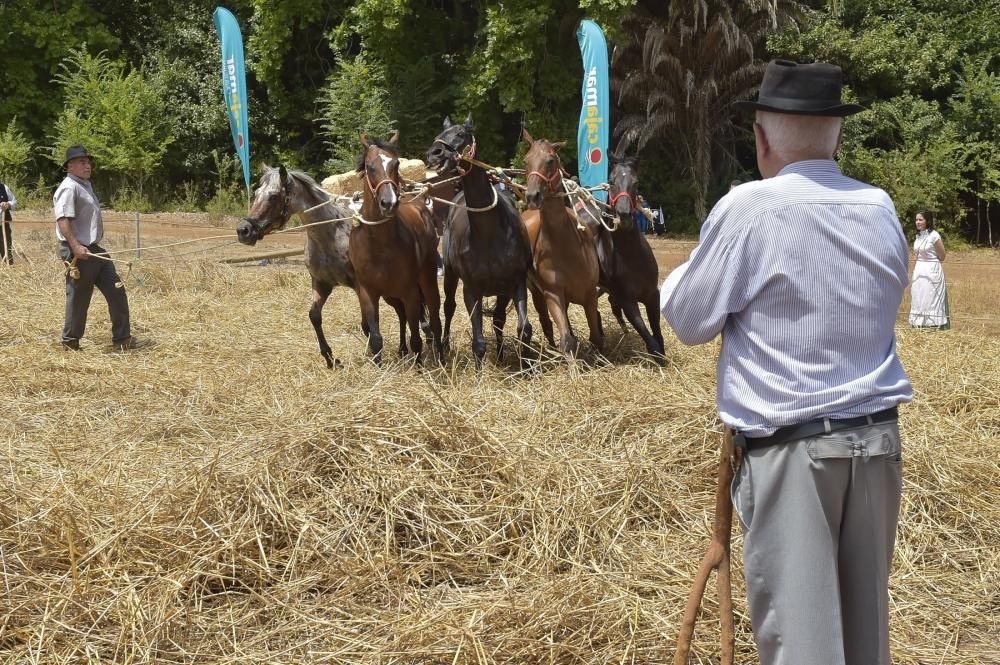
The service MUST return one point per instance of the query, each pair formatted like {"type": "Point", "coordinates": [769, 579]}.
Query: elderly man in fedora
{"type": "Point", "coordinates": [79, 227]}
{"type": "Point", "coordinates": [803, 273]}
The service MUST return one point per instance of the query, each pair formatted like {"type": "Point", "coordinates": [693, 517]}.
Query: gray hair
{"type": "Point", "coordinates": [790, 134]}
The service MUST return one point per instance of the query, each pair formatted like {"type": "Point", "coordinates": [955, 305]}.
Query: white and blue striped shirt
{"type": "Point", "coordinates": [804, 273]}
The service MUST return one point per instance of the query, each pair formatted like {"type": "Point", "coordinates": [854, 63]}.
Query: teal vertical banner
{"type": "Point", "coordinates": [592, 135]}
{"type": "Point", "coordinates": [234, 84]}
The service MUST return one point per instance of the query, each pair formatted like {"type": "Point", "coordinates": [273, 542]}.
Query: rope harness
{"type": "Point", "coordinates": [411, 190]}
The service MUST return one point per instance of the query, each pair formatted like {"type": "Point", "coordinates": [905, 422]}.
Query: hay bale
{"type": "Point", "coordinates": [346, 184]}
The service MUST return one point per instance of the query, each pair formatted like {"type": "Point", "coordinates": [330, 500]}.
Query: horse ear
{"type": "Point", "coordinates": [447, 121]}
{"type": "Point", "coordinates": [283, 175]}
{"type": "Point", "coordinates": [468, 120]}
{"type": "Point", "coordinates": [364, 139]}
{"type": "Point", "coordinates": [394, 139]}
{"type": "Point", "coordinates": [558, 146]}
{"type": "Point", "coordinates": [526, 136]}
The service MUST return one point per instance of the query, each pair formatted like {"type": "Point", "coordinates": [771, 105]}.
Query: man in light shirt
{"type": "Point", "coordinates": [803, 273]}
{"type": "Point", "coordinates": [79, 228]}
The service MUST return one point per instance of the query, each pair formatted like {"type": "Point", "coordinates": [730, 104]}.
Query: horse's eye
{"type": "Point", "coordinates": [272, 197]}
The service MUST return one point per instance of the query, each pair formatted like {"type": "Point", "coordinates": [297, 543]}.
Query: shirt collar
{"type": "Point", "coordinates": [81, 181]}
{"type": "Point", "coordinates": [811, 167]}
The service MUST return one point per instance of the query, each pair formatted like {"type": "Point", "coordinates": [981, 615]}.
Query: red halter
{"type": "Point", "coordinates": [631, 200]}
{"type": "Point", "coordinates": [550, 180]}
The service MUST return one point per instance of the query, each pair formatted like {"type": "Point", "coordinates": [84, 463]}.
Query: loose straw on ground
{"type": "Point", "coordinates": [219, 496]}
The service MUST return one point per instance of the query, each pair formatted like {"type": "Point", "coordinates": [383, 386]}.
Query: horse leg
{"type": "Point", "coordinates": [594, 323]}
{"type": "Point", "coordinates": [474, 305]}
{"type": "Point", "coordinates": [616, 309]}
{"type": "Point", "coordinates": [556, 304]}
{"type": "Point", "coordinates": [321, 291]}
{"type": "Point", "coordinates": [450, 286]}
{"type": "Point", "coordinates": [635, 318]}
{"type": "Point", "coordinates": [523, 325]}
{"type": "Point", "coordinates": [543, 314]}
{"type": "Point", "coordinates": [499, 321]}
{"type": "Point", "coordinates": [414, 307]}
{"type": "Point", "coordinates": [397, 305]}
{"type": "Point", "coordinates": [430, 297]}
{"type": "Point", "coordinates": [653, 314]}
{"type": "Point", "coordinates": [369, 312]}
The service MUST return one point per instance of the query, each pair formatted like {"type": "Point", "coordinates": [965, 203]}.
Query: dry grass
{"type": "Point", "coordinates": [219, 496]}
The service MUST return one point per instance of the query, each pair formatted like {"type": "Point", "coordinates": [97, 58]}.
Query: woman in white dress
{"type": "Point", "coordinates": [928, 296]}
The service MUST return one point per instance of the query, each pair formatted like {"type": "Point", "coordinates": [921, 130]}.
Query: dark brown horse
{"type": "Point", "coordinates": [485, 242]}
{"type": "Point", "coordinates": [630, 273]}
{"type": "Point", "coordinates": [284, 193]}
{"type": "Point", "coordinates": [394, 250]}
{"type": "Point", "coordinates": [563, 252]}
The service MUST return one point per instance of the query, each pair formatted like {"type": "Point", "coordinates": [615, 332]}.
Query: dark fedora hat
{"type": "Point", "coordinates": [789, 87]}
{"type": "Point", "coordinates": [75, 151]}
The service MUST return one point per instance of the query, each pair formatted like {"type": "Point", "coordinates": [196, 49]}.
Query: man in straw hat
{"type": "Point", "coordinates": [803, 273]}
{"type": "Point", "coordinates": [79, 227]}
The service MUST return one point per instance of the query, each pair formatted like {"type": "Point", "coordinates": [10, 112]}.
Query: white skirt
{"type": "Point", "coordinates": [928, 295]}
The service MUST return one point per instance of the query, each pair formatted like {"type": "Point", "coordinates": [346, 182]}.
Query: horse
{"type": "Point", "coordinates": [284, 193]}
{"type": "Point", "coordinates": [564, 256]}
{"type": "Point", "coordinates": [485, 242]}
{"type": "Point", "coordinates": [631, 273]}
{"type": "Point", "coordinates": [394, 251]}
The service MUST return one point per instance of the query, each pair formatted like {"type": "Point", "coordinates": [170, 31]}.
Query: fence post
{"type": "Point", "coordinates": [138, 243]}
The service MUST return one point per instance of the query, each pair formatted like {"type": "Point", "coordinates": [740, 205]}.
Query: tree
{"type": "Point", "coordinates": [679, 75]}
{"type": "Point", "coordinates": [15, 155]}
{"type": "Point", "coordinates": [354, 101]}
{"type": "Point", "coordinates": [116, 113]}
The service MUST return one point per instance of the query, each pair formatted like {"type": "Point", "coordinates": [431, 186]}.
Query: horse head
{"type": "Point", "coordinates": [545, 171]}
{"type": "Point", "coordinates": [446, 152]}
{"type": "Point", "coordinates": [379, 166]}
{"type": "Point", "coordinates": [623, 186]}
{"type": "Point", "coordinates": [272, 206]}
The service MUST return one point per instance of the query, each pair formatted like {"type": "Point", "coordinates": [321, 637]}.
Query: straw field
{"type": "Point", "coordinates": [218, 496]}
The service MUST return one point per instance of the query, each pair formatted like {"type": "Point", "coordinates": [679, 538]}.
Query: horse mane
{"type": "Point", "coordinates": [378, 143]}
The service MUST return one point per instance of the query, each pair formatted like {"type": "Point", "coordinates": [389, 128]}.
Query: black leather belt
{"type": "Point", "coordinates": [813, 428]}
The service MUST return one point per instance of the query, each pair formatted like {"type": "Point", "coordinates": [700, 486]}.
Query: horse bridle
{"type": "Point", "coordinates": [551, 180]}
{"type": "Point", "coordinates": [631, 200]}
{"type": "Point", "coordinates": [284, 215]}
{"type": "Point", "coordinates": [465, 153]}
{"type": "Point", "coordinates": [374, 188]}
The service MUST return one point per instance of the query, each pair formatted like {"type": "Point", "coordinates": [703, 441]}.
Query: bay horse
{"type": "Point", "coordinates": [485, 242]}
{"type": "Point", "coordinates": [630, 277]}
{"type": "Point", "coordinates": [564, 256]}
{"type": "Point", "coordinates": [284, 193]}
{"type": "Point", "coordinates": [394, 250]}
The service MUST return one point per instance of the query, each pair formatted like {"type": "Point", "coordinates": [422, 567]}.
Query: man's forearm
{"type": "Point", "coordinates": [67, 232]}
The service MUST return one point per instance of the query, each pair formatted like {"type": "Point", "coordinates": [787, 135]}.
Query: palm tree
{"type": "Point", "coordinates": [682, 69]}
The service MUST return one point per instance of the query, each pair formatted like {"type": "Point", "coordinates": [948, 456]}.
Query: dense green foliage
{"type": "Point", "coordinates": [928, 70]}
{"type": "Point", "coordinates": [137, 80]}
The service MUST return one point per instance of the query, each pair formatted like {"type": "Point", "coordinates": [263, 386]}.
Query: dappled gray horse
{"type": "Point", "coordinates": [284, 193]}
{"type": "Point", "coordinates": [485, 242]}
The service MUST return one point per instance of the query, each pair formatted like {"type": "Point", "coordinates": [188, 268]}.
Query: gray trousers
{"type": "Point", "coordinates": [102, 274]}
{"type": "Point", "coordinates": [819, 522]}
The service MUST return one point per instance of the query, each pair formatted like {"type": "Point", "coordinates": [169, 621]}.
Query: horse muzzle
{"type": "Point", "coordinates": [247, 232]}
{"type": "Point", "coordinates": [534, 199]}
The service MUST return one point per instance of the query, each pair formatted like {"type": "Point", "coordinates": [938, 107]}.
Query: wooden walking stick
{"type": "Point", "coordinates": [716, 558]}
{"type": "Point", "coordinates": [3, 232]}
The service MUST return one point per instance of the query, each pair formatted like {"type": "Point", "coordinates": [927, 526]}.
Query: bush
{"type": "Point", "coordinates": [226, 203]}
{"type": "Point", "coordinates": [129, 199]}
{"type": "Point", "coordinates": [15, 154]}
